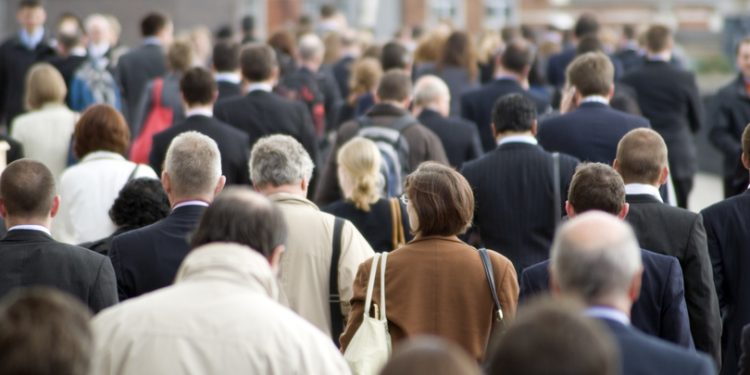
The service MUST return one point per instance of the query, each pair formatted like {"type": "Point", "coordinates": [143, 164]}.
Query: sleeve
{"type": "Point", "coordinates": [717, 264]}
{"type": "Point", "coordinates": [433, 149]}
{"type": "Point", "coordinates": [354, 250]}
{"type": "Point", "coordinates": [104, 290]}
{"type": "Point", "coordinates": [475, 150]}
{"type": "Point", "coordinates": [744, 364]}
{"type": "Point", "coordinates": [700, 294]}
{"type": "Point", "coordinates": [527, 288]}
{"type": "Point", "coordinates": [695, 105]}
{"type": "Point", "coordinates": [722, 135]}
{"type": "Point", "coordinates": [357, 302]}
{"type": "Point", "coordinates": [506, 283]}
{"type": "Point", "coordinates": [674, 317]}
{"type": "Point", "coordinates": [467, 110]}
{"type": "Point", "coordinates": [123, 287]}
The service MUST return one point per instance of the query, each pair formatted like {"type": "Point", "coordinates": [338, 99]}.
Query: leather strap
{"type": "Point", "coordinates": [556, 186]}
{"type": "Point", "coordinates": [337, 319]}
{"type": "Point", "coordinates": [398, 237]}
{"type": "Point", "coordinates": [490, 274]}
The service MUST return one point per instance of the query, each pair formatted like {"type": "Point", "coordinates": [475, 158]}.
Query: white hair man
{"type": "Point", "coordinates": [432, 105]}
{"type": "Point", "coordinates": [281, 169]}
{"type": "Point", "coordinates": [596, 258]}
{"type": "Point", "coordinates": [146, 259]}
{"type": "Point", "coordinates": [99, 34]}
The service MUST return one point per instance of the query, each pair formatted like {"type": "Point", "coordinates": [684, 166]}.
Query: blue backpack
{"type": "Point", "coordinates": [394, 150]}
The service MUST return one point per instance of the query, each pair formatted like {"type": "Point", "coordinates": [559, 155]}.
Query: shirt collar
{"type": "Point", "coordinates": [262, 86]}
{"type": "Point", "coordinates": [604, 312]}
{"type": "Point", "coordinates": [31, 40]}
{"type": "Point", "coordinates": [643, 189]}
{"type": "Point", "coordinates": [100, 155]}
{"type": "Point", "coordinates": [595, 99]}
{"type": "Point", "coordinates": [199, 112]}
{"type": "Point", "coordinates": [30, 227]}
{"type": "Point", "coordinates": [194, 202]}
{"type": "Point", "coordinates": [518, 139]}
{"type": "Point", "coordinates": [228, 77]}
{"type": "Point", "coordinates": [152, 40]}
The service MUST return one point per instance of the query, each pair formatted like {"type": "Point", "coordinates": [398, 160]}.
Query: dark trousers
{"type": "Point", "coordinates": [682, 188]}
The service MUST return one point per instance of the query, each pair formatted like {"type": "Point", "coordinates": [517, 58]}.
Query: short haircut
{"type": "Point", "coordinates": [595, 256]}
{"type": "Point", "coordinates": [101, 128]}
{"type": "Point", "coordinates": [27, 188]}
{"type": "Point", "coordinates": [193, 163]}
{"type": "Point", "coordinates": [242, 216]}
{"type": "Point", "coordinates": [198, 86]}
{"type": "Point", "coordinates": [394, 56]}
{"type": "Point", "coordinates": [585, 25]}
{"type": "Point", "coordinates": [513, 113]}
{"type": "Point", "coordinates": [310, 47]}
{"type": "Point", "coordinates": [629, 32]}
{"type": "Point", "coordinates": [554, 337]}
{"type": "Point", "coordinates": [430, 89]}
{"type": "Point", "coordinates": [327, 10]}
{"type": "Point", "coordinates": [517, 56]}
{"type": "Point", "coordinates": [44, 332]}
{"type": "Point", "coordinates": [596, 186]}
{"type": "Point", "coordinates": [430, 355]}
{"type": "Point", "coordinates": [441, 198]}
{"type": "Point", "coordinates": [641, 156]}
{"type": "Point", "coordinates": [142, 201]}
{"type": "Point", "coordinates": [44, 84]}
{"type": "Point", "coordinates": [591, 73]}
{"type": "Point", "coordinates": [180, 56]}
{"type": "Point", "coordinates": [394, 85]}
{"type": "Point", "coordinates": [30, 4]}
{"type": "Point", "coordinates": [658, 38]}
{"type": "Point", "coordinates": [257, 62]}
{"type": "Point", "coordinates": [226, 56]}
{"type": "Point", "coordinates": [589, 43]}
{"type": "Point", "coordinates": [278, 160]}
{"type": "Point", "coordinates": [153, 23]}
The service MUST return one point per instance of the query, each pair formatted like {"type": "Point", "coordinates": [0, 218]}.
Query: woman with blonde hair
{"type": "Point", "coordinates": [361, 182]}
{"type": "Point", "coordinates": [364, 79]}
{"type": "Point", "coordinates": [45, 131]}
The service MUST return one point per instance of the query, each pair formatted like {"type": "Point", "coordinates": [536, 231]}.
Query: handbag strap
{"type": "Point", "coordinates": [490, 274]}
{"type": "Point", "coordinates": [132, 174]}
{"type": "Point", "coordinates": [158, 88]}
{"type": "Point", "coordinates": [556, 186]}
{"type": "Point", "coordinates": [397, 232]}
{"type": "Point", "coordinates": [371, 283]}
{"type": "Point", "coordinates": [383, 261]}
{"type": "Point", "coordinates": [337, 318]}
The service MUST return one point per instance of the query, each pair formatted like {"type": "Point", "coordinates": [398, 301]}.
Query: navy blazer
{"type": "Point", "coordinates": [147, 258]}
{"type": "Point", "coordinates": [641, 354]}
{"type": "Point", "coordinates": [460, 137]}
{"type": "Point", "coordinates": [476, 106]}
{"type": "Point", "coordinates": [590, 133]}
{"type": "Point", "coordinates": [728, 233]}
{"type": "Point", "coordinates": [659, 311]}
{"type": "Point", "coordinates": [31, 257]}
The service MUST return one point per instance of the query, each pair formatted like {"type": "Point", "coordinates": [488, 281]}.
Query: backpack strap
{"type": "Point", "coordinates": [490, 274]}
{"type": "Point", "coordinates": [337, 319]}
{"type": "Point", "coordinates": [556, 187]}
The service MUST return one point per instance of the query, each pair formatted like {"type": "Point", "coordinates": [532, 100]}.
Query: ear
{"type": "Point", "coordinates": [166, 183]}
{"type": "Point", "coordinates": [220, 185]}
{"type": "Point", "coordinates": [554, 287]}
{"type": "Point", "coordinates": [624, 211]}
{"type": "Point", "coordinates": [611, 92]}
{"type": "Point", "coordinates": [616, 165]}
{"type": "Point", "coordinates": [275, 258]}
{"type": "Point", "coordinates": [55, 206]}
{"type": "Point", "coordinates": [569, 210]}
{"type": "Point", "coordinates": [745, 161]}
{"type": "Point", "coordinates": [494, 131]}
{"type": "Point", "coordinates": [534, 127]}
{"type": "Point", "coordinates": [634, 291]}
{"type": "Point", "coordinates": [304, 185]}
{"type": "Point", "coordinates": [664, 177]}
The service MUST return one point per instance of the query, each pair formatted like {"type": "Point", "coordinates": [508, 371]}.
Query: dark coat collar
{"type": "Point", "coordinates": [384, 109]}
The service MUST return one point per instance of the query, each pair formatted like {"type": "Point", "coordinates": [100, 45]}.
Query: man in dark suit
{"type": "Point", "coordinates": [669, 98]}
{"type": "Point", "coordinates": [261, 112]}
{"type": "Point", "coordinates": [727, 229]}
{"type": "Point", "coordinates": [226, 64]}
{"type": "Point", "coordinates": [586, 24]}
{"type": "Point", "coordinates": [147, 258]}
{"type": "Point", "coordinates": [512, 68]}
{"type": "Point", "coordinates": [144, 63]}
{"type": "Point", "coordinates": [28, 254]}
{"type": "Point", "coordinates": [432, 105]}
{"type": "Point", "coordinates": [660, 310]}
{"type": "Point", "coordinates": [642, 163]}
{"type": "Point", "coordinates": [629, 51]}
{"type": "Point", "coordinates": [18, 54]}
{"type": "Point", "coordinates": [198, 94]}
{"type": "Point", "coordinates": [591, 131]}
{"type": "Point", "coordinates": [596, 258]}
{"type": "Point", "coordinates": [518, 176]}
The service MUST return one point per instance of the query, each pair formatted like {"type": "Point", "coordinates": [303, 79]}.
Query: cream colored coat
{"type": "Point", "coordinates": [305, 265]}
{"type": "Point", "coordinates": [46, 134]}
{"type": "Point", "coordinates": [220, 317]}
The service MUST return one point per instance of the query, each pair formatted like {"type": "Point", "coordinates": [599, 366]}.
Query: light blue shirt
{"type": "Point", "coordinates": [31, 40]}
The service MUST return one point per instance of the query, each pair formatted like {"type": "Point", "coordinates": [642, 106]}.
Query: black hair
{"type": "Point", "coordinates": [153, 23]}
{"type": "Point", "coordinates": [142, 201]}
{"type": "Point", "coordinates": [513, 112]}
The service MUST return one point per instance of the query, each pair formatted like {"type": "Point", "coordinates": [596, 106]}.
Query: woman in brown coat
{"type": "Point", "coordinates": [435, 284]}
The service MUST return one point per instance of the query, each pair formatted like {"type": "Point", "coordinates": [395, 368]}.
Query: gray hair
{"type": "Point", "coordinates": [310, 47]}
{"type": "Point", "coordinates": [595, 256]}
{"type": "Point", "coordinates": [193, 163]}
{"type": "Point", "coordinates": [429, 89]}
{"type": "Point", "coordinates": [279, 160]}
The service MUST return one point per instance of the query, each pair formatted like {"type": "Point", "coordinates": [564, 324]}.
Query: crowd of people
{"type": "Point", "coordinates": [507, 203]}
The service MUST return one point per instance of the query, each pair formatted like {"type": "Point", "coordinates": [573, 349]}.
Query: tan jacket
{"type": "Point", "coordinates": [306, 263]}
{"type": "Point", "coordinates": [437, 286]}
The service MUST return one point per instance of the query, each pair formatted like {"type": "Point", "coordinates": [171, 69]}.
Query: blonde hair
{"type": "Point", "coordinates": [44, 84]}
{"type": "Point", "coordinates": [359, 159]}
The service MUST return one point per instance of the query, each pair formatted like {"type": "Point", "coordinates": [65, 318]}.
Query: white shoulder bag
{"type": "Point", "coordinates": [370, 347]}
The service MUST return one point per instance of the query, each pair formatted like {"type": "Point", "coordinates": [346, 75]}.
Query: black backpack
{"type": "Point", "coordinates": [304, 87]}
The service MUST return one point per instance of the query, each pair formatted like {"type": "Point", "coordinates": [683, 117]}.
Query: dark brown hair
{"type": "Point", "coordinates": [27, 188]}
{"type": "Point", "coordinates": [641, 156]}
{"type": "Point", "coordinates": [458, 51]}
{"type": "Point", "coordinates": [198, 86]}
{"type": "Point", "coordinates": [658, 38]}
{"type": "Point", "coordinates": [591, 73]}
{"type": "Point", "coordinates": [441, 198]}
{"type": "Point", "coordinates": [153, 23]}
{"type": "Point", "coordinates": [430, 355]}
{"type": "Point", "coordinates": [226, 56]}
{"type": "Point", "coordinates": [283, 41]}
{"type": "Point", "coordinates": [394, 85]}
{"type": "Point", "coordinates": [44, 332]}
{"type": "Point", "coordinates": [517, 56]}
{"type": "Point", "coordinates": [746, 141]}
{"type": "Point", "coordinates": [257, 62]}
{"type": "Point", "coordinates": [596, 186]}
{"type": "Point", "coordinates": [100, 128]}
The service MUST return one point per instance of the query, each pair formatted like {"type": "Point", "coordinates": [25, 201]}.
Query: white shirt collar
{"type": "Point", "coordinates": [190, 203]}
{"type": "Point", "coordinates": [603, 312]}
{"type": "Point", "coordinates": [228, 77]}
{"type": "Point", "coordinates": [595, 99]}
{"type": "Point", "coordinates": [202, 111]}
{"type": "Point", "coordinates": [518, 139]}
{"type": "Point", "coordinates": [30, 227]}
{"type": "Point", "coordinates": [99, 155]}
{"type": "Point", "coordinates": [643, 189]}
{"type": "Point", "coordinates": [259, 86]}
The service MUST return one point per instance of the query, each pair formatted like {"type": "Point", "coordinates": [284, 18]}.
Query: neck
{"type": "Point", "coordinates": [11, 222]}
{"type": "Point", "coordinates": [393, 103]}
{"type": "Point", "coordinates": [294, 189]}
{"type": "Point", "coordinates": [193, 107]}
{"type": "Point", "coordinates": [32, 29]}
{"type": "Point", "coordinates": [510, 134]}
{"type": "Point", "coordinates": [663, 55]}
{"type": "Point", "coordinates": [175, 200]}
{"type": "Point", "coordinates": [621, 303]}
{"type": "Point", "coordinates": [654, 184]}
{"type": "Point", "coordinates": [501, 72]}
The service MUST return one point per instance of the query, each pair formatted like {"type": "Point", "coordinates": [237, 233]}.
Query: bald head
{"type": "Point", "coordinates": [431, 92]}
{"type": "Point", "coordinates": [642, 157]}
{"type": "Point", "coordinates": [311, 49]}
{"type": "Point", "coordinates": [596, 257]}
